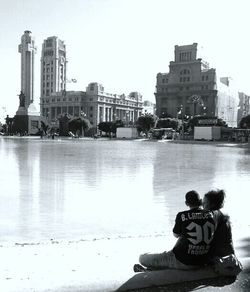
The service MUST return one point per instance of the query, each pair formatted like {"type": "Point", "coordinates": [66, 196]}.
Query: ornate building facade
{"type": "Point", "coordinates": [95, 104]}
{"type": "Point", "coordinates": [190, 88]}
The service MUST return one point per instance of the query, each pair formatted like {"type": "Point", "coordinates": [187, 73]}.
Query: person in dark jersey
{"type": "Point", "coordinates": [194, 229]}
{"type": "Point", "coordinates": [222, 244]}
{"type": "Point", "coordinates": [222, 254]}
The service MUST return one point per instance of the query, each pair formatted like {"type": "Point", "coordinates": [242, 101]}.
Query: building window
{"type": "Point", "coordinates": [91, 108]}
{"type": "Point", "coordinates": [47, 84]}
{"type": "Point", "coordinates": [70, 110]}
{"type": "Point", "coordinates": [77, 111]}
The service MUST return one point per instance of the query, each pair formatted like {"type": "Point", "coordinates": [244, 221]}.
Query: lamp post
{"type": "Point", "coordinates": [84, 116]}
{"type": "Point", "coordinates": [182, 120]}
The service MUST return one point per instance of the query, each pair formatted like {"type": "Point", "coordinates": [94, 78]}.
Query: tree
{"type": "Point", "coordinates": [110, 127]}
{"type": "Point", "coordinates": [64, 125]}
{"type": "Point", "coordinates": [245, 122]}
{"type": "Point", "coordinates": [145, 122]}
{"type": "Point", "coordinates": [106, 127]}
{"type": "Point", "coordinates": [44, 127]}
{"type": "Point", "coordinates": [79, 125]}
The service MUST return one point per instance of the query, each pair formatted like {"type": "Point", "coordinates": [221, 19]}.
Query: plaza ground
{"type": "Point", "coordinates": [99, 265]}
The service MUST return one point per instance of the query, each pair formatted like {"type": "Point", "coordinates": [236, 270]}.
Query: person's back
{"type": "Point", "coordinates": [222, 255]}
{"type": "Point", "coordinates": [222, 244]}
{"type": "Point", "coordinates": [196, 228]}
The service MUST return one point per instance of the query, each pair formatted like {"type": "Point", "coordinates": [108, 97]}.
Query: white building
{"type": "Point", "coordinates": [95, 104]}
{"type": "Point", "coordinates": [227, 101]}
{"type": "Point", "coordinates": [148, 107]}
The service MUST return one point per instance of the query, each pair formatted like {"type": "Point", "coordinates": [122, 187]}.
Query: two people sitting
{"type": "Point", "coordinates": [204, 238]}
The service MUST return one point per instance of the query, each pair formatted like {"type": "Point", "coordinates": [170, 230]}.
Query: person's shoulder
{"type": "Point", "coordinates": [222, 217]}
{"type": "Point", "coordinates": [182, 212]}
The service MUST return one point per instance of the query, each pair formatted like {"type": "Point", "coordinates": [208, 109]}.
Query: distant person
{"type": "Point", "coordinates": [194, 229]}
{"type": "Point", "coordinates": [222, 251]}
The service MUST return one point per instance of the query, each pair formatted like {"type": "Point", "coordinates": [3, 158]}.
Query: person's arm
{"type": "Point", "coordinates": [177, 226]}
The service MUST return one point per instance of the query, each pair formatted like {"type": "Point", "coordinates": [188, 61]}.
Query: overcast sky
{"type": "Point", "coordinates": [123, 44]}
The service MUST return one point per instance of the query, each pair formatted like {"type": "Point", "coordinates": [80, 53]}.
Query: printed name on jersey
{"type": "Point", "coordinates": [198, 250]}
{"type": "Point", "coordinates": [195, 216]}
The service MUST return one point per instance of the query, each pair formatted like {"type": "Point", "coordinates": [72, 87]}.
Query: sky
{"type": "Point", "coordinates": [123, 44]}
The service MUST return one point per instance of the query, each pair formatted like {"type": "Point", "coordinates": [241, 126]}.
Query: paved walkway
{"type": "Point", "coordinates": [99, 265]}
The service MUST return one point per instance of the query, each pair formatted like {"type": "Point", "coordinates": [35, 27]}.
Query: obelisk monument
{"type": "Point", "coordinates": [27, 118]}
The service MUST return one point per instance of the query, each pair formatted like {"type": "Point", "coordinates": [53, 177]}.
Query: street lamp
{"type": "Point", "coordinates": [84, 116]}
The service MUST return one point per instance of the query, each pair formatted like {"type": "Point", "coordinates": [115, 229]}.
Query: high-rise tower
{"type": "Point", "coordinates": [27, 49]}
{"type": "Point", "coordinates": [53, 66]}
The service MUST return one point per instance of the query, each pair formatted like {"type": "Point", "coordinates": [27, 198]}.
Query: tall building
{"type": "Point", "coordinates": [27, 49]}
{"type": "Point", "coordinates": [53, 66]}
{"type": "Point", "coordinates": [190, 88]}
{"type": "Point", "coordinates": [244, 106]}
{"type": "Point", "coordinates": [95, 104]}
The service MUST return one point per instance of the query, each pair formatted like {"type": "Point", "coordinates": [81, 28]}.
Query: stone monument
{"type": "Point", "coordinates": [27, 118]}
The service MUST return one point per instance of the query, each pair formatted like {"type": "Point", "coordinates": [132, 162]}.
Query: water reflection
{"type": "Point", "coordinates": [71, 189]}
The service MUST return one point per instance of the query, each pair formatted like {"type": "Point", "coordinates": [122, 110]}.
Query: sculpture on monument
{"type": "Point", "coordinates": [21, 99]}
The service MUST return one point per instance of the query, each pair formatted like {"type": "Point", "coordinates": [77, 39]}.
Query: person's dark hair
{"type": "Point", "coordinates": [215, 199]}
{"type": "Point", "coordinates": [193, 199]}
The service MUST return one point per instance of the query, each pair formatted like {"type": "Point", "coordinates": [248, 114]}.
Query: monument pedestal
{"type": "Point", "coordinates": [27, 120]}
